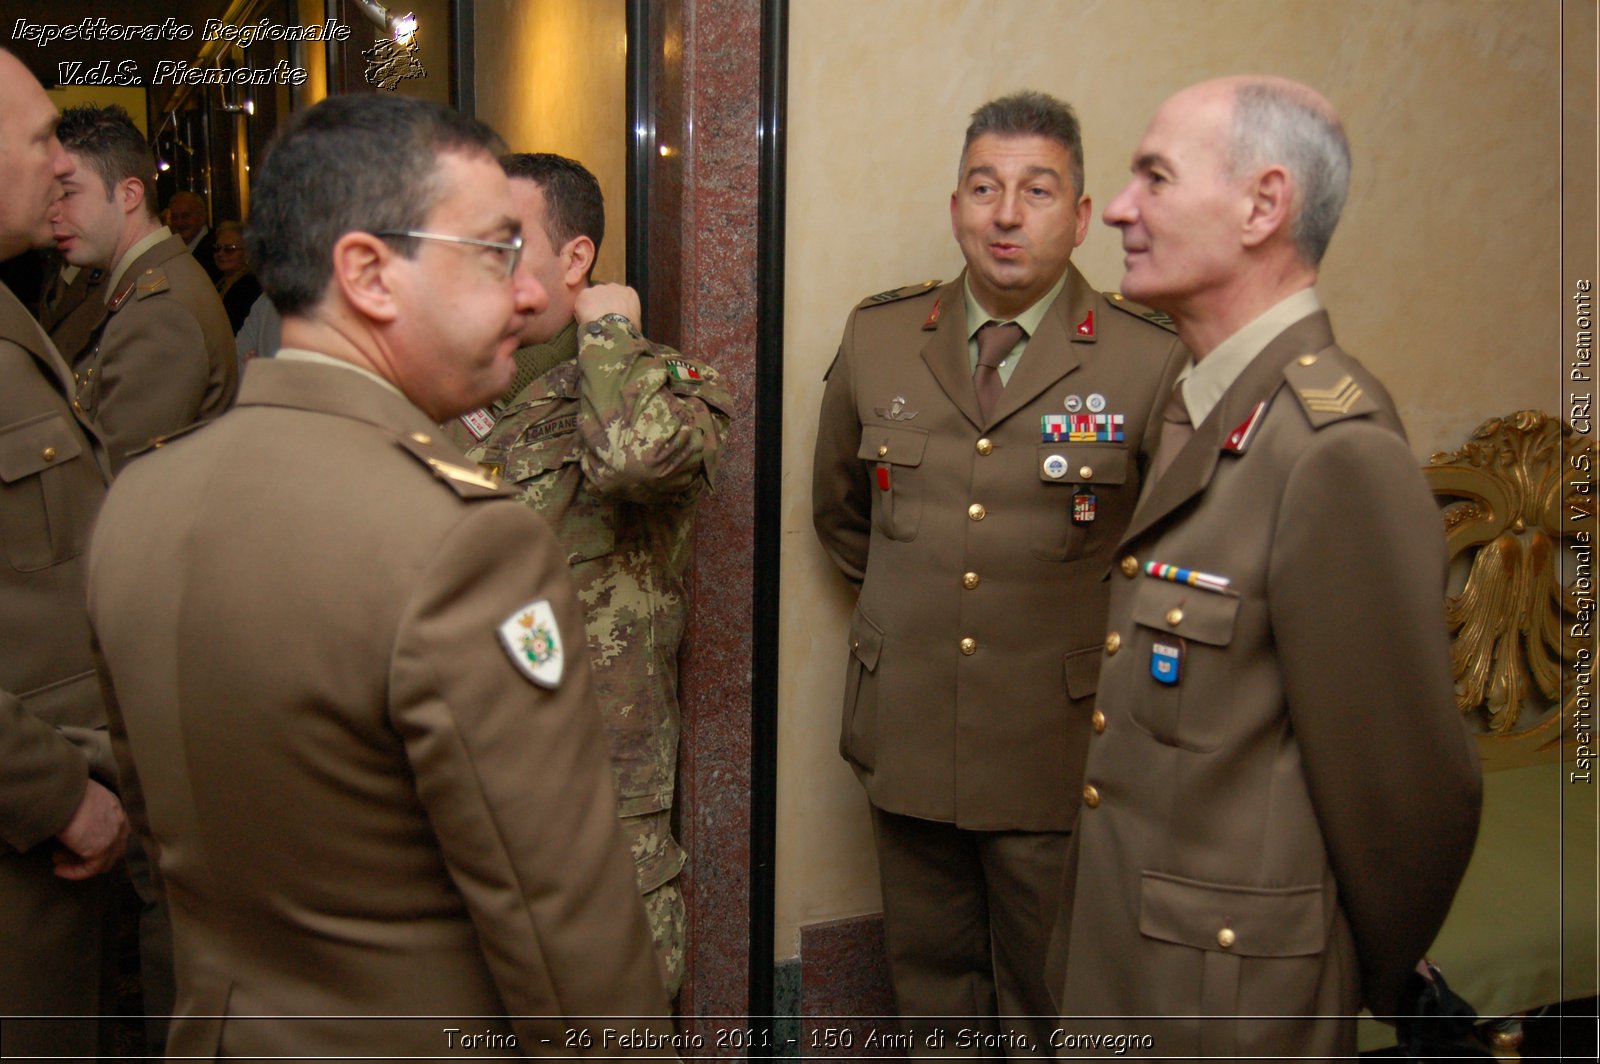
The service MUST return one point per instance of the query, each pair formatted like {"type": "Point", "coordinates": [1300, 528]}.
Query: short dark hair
{"type": "Point", "coordinates": [1029, 114]}
{"type": "Point", "coordinates": [107, 139]}
{"type": "Point", "coordinates": [360, 163]}
{"type": "Point", "coordinates": [574, 205]}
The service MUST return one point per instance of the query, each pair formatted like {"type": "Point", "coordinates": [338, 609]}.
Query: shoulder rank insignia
{"type": "Point", "coordinates": [533, 640]}
{"type": "Point", "coordinates": [446, 464]}
{"type": "Point", "coordinates": [151, 282]}
{"type": "Point", "coordinates": [1326, 391]}
{"type": "Point", "coordinates": [894, 295]}
{"type": "Point", "coordinates": [1139, 310]}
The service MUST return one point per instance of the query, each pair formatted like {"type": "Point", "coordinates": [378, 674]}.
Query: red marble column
{"type": "Point", "coordinates": [703, 232]}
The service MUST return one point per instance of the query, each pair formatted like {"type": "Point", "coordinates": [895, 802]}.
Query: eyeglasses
{"type": "Point", "coordinates": [229, 247]}
{"type": "Point", "coordinates": [510, 250]}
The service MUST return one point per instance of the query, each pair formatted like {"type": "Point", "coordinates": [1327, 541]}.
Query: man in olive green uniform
{"type": "Point", "coordinates": [612, 439]}
{"type": "Point", "coordinates": [154, 354]}
{"type": "Point", "coordinates": [977, 511]}
{"type": "Point", "coordinates": [348, 694]}
{"type": "Point", "coordinates": [59, 827]}
{"type": "Point", "coordinates": [1284, 797]}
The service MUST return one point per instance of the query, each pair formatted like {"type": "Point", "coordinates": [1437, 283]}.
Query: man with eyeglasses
{"type": "Point", "coordinates": [350, 694]}
{"type": "Point", "coordinates": [153, 351]}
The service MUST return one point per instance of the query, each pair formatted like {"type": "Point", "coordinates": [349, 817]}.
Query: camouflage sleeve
{"type": "Point", "coordinates": [652, 421]}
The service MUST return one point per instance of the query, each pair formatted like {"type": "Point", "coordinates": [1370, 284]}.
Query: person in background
{"type": "Point", "coordinates": [237, 286]}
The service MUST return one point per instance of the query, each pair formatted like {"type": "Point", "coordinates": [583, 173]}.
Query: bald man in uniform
{"type": "Point", "coordinates": [1283, 798]}
{"type": "Point", "coordinates": [60, 824]}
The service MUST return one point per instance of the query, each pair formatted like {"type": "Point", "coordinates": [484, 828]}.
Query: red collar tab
{"type": "Point", "coordinates": [1086, 326]}
{"type": "Point", "coordinates": [1240, 437]}
{"type": "Point", "coordinates": [933, 316]}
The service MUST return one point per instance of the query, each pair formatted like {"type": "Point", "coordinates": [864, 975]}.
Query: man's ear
{"type": "Point", "coordinates": [362, 265]}
{"type": "Point", "coordinates": [577, 259]}
{"type": "Point", "coordinates": [1271, 201]}
{"type": "Point", "coordinates": [129, 195]}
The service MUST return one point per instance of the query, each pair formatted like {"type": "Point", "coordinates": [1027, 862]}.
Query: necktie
{"type": "Point", "coordinates": [1176, 428]}
{"type": "Point", "coordinates": [995, 341]}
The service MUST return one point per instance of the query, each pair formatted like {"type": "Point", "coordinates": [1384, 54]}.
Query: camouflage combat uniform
{"type": "Point", "coordinates": [611, 440]}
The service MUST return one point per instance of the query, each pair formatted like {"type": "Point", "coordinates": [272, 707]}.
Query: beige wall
{"type": "Point", "coordinates": [552, 76]}
{"type": "Point", "coordinates": [1443, 277]}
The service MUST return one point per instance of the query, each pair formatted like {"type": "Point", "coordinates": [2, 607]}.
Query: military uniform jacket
{"type": "Point", "coordinates": [1284, 796]}
{"type": "Point", "coordinates": [613, 442]}
{"type": "Point", "coordinates": [360, 804]}
{"type": "Point", "coordinates": [975, 641]}
{"type": "Point", "coordinates": [50, 487]}
{"type": "Point", "coordinates": [155, 359]}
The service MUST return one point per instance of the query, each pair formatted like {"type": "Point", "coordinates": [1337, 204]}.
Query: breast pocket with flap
{"type": "Point", "coordinates": [893, 454]}
{"type": "Point", "coordinates": [45, 515]}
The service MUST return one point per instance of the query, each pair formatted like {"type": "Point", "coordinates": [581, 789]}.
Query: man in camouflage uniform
{"type": "Point", "coordinates": [611, 438]}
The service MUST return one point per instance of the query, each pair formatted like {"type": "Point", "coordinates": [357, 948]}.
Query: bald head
{"type": "Point", "coordinates": [1278, 122]}
{"type": "Point", "coordinates": [32, 163]}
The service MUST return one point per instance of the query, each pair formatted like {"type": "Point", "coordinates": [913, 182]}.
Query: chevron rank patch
{"type": "Point", "coordinates": [533, 640]}
{"type": "Point", "coordinates": [894, 295]}
{"type": "Point", "coordinates": [1325, 390]}
{"type": "Point", "coordinates": [1139, 310]}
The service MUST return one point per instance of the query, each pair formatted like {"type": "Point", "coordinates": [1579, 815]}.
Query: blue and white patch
{"type": "Point", "coordinates": [533, 640]}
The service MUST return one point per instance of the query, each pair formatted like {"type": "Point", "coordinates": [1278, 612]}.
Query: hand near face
{"type": "Point", "coordinates": [596, 302]}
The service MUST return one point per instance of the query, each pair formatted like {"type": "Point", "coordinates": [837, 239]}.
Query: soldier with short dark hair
{"type": "Point", "coordinates": [981, 445]}
{"type": "Point", "coordinates": [613, 439]}
{"type": "Point", "coordinates": [154, 352]}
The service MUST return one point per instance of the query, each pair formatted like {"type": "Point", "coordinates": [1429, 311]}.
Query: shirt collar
{"type": "Point", "coordinates": [1205, 382]}
{"type": "Point", "coordinates": [300, 354]}
{"type": "Point", "coordinates": [1029, 319]}
{"type": "Point", "coordinates": [130, 256]}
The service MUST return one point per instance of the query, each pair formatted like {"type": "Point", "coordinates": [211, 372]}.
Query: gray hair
{"type": "Point", "coordinates": [1029, 114]}
{"type": "Point", "coordinates": [1279, 123]}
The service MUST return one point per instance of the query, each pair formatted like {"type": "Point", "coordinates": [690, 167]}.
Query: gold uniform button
{"type": "Point", "coordinates": [977, 512]}
{"type": "Point", "coordinates": [422, 438]}
{"type": "Point", "coordinates": [883, 449]}
{"type": "Point", "coordinates": [985, 446]}
{"type": "Point", "coordinates": [1086, 473]}
{"type": "Point", "coordinates": [1174, 616]}
{"type": "Point", "coordinates": [1097, 721]}
{"type": "Point", "coordinates": [969, 580]}
{"type": "Point", "coordinates": [969, 646]}
{"type": "Point", "coordinates": [1226, 938]}
{"type": "Point", "coordinates": [1307, 360]}
{"type": "Point", "coordinates": [1091, 796]}
{"type": "Point", "coordinates": [48, 454]}
{"type": "Point", "coordinates": [1130, 566]}
{"type": "Point", "coordinates": [1113, 643]}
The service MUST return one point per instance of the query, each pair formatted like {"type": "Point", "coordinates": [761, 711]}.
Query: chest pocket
{"type": "Point", "coordinates": [1186, 630]}
{"type": "Point", "coordinates": [1084, 480]}
{"type": "Point", "coordinates": [45, 513]}
{"type": "Point", "coordinates": [893, 454]}
{"type": "Point", "coordinates": [544, 462]}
